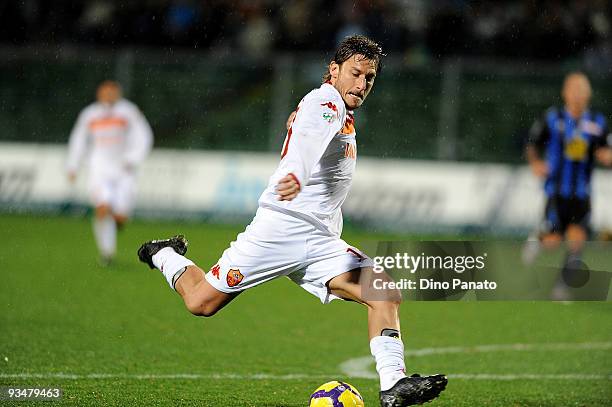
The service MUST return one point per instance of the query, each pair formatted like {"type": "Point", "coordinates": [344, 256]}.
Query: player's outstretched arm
{"type": "Point", "coordinates": [539, 167]}
{"type": "Point", "coordinates": [539, 136]}
{"type": "Point", "coordinates": [77, 147]}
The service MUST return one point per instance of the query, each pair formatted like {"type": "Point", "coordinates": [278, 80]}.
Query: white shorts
{"type": "Point", "coordinates": [118, 192]}
{"type": "Point", "coordinates": [276, 244]}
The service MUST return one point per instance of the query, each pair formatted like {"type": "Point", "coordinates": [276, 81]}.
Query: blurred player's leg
{"type": "Point", "coordinates": [105, 232]}
{"type": "Point", "coordinates": [547, 236]}
{"type": "Point", "coordinates": [571, 272]}
{"type": "Point", "coordinates": [551, 241]}
{"type": "Point", "coordinates": [103, 190]}
{"type": "Point", "coordinates": [576, 236]}
{"type": "Point", "coordinates": [123, 199]}
{"type": "Point", "coordinates": [575, 217]}
{"type": "Point", "coordinates": [531, 248]}
{"type": "Point", "coordinates": [120, 220]}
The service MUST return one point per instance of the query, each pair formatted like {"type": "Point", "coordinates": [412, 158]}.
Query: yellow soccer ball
{"type": "Point", "coordinates": [336, 394]}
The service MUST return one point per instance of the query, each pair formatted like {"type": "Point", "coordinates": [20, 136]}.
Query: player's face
{"type": "Point", "coordinates": [108, 94]}
{"type": "Point", "coordinates": [353, 79]}
{"type": "Point", "coordinates": [577, 93]}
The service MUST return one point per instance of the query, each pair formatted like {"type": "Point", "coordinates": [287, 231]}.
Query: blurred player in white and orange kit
{"type": "Point", "coordinates": [116, 137]}
{"type": "Point", "coordinates": [296, 230]}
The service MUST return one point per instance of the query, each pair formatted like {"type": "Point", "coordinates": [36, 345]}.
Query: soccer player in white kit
{"type": "Point", "coordinates": [116, 137]}
{"type": "Point", "coordinates": [296, 230]}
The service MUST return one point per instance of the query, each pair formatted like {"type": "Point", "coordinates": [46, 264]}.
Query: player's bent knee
{"type": "Point", "coordinates": [395, 298]}
{"type": "Point", "coordinates": [392, 302]}
{"type": "Point", "coordinates": [207, 311]}
{"type": "Point", "coordinates": [389, 296]}
{"type": "Point", "coordinates": [202, 299]}
{"type": "Point", "coordinates": [201, 307]}
{"type": "Point", "coordinates": [389, 302]}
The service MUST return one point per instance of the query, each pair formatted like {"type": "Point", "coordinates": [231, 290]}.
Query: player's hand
{"type": "Point", "coordinates": [290, 119]}
{"type": "Point", "coordinates": [71, 177]}
{"type": "Point", "coordinates": [604, 156]}
{"type": "Point", "coordinates": [539, 168]}
{"type": "Point", "coordinates": [287, 188]}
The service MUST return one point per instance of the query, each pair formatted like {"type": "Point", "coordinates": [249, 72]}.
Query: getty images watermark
{"type": "Point", "coordinates": [413, 264]}
{"type": "Point", "coordinates": [489, 271]}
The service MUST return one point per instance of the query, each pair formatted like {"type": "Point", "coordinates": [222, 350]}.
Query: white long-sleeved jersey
{"type": "Point", "coordinates": [320, 151]}
{"type": "Point", "coordinates": [116, 136]}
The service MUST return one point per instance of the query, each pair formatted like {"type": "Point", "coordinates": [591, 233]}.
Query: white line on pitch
{"type": "Point", "coordinates": [511, 347]}
{"type": "Point", "coordinates": [361, 366]}
{"type": "Point", "coordinates": [527, 376]}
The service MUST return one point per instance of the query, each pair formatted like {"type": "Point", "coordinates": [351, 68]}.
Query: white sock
{"type": "Point", "coordinates": [389, 355]}
{"type": "Point", "coordinates": [170, 263]}
{"type": "Point", "coordinates": [105, 232]}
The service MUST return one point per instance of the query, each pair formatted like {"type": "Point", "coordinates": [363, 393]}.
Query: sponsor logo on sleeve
{"type": "Point", "coordinates": [329, 116]}
{"type": "Point", "coordinates": [215, 271]}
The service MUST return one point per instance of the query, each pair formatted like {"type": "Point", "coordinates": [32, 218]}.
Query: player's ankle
{"type": "Point", "coordinates": [388, 351]}
{"type": "Point", "coordinates": [171, 264]}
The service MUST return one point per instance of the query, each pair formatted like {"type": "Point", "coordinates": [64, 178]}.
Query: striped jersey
{"type": "Point", "coordinates": [112, 136]}
{"type": "Point", "coordinates": [569, 145]}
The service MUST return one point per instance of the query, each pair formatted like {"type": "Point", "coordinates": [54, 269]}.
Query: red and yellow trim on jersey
{"type": "Point", "coordinates": [349, 125]}
{"type": "Point", "coordinates": [106, 122]}
{"type": "Point", "coordinates": [289, 133]}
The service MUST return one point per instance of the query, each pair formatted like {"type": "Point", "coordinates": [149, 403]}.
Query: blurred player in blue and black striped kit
{"type": "Point", "coordinates": [563, 149]}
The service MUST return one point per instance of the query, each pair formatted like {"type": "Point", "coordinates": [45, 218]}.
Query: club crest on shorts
{"type": "Point", "coordinates": [234, 277]}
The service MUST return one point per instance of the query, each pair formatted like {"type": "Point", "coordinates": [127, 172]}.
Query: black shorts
{"type": "Point", "coordinates": [561, 212]}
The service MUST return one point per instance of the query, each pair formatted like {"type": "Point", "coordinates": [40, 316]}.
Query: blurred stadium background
{"type": "Point", "coordinates": [463, 82]}
{"type": "Point", "coordinates": [440, 157]}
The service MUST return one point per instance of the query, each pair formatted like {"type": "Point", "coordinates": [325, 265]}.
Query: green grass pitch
{"type": "Point", "coordinates": [118, 336]}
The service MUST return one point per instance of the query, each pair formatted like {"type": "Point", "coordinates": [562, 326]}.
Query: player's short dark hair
{"type": "Point", "coordinates": [358, 45]}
